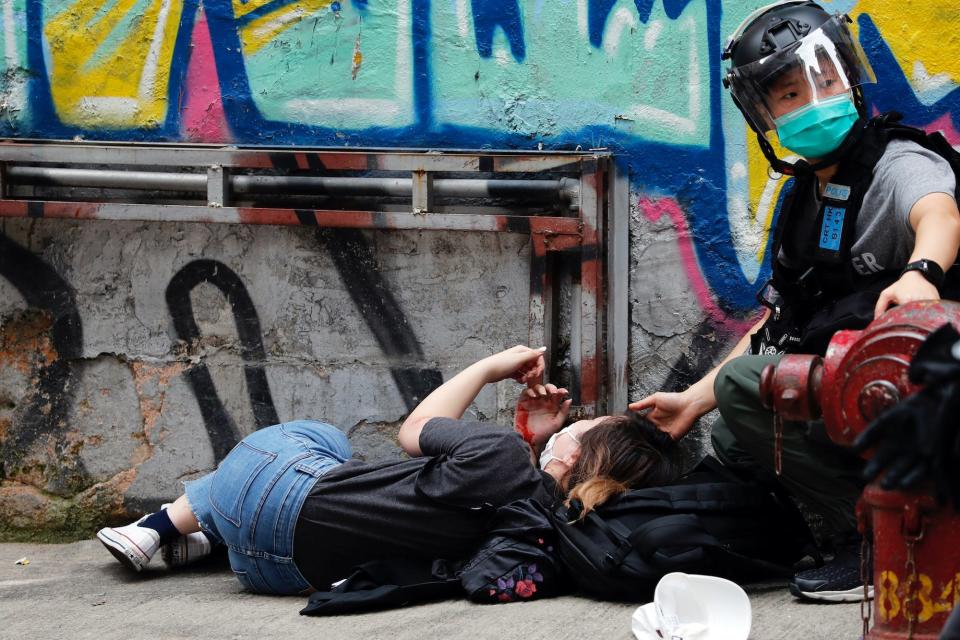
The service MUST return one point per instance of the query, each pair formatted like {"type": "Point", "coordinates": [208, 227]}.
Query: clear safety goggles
{"type": "Point", "coordinates": [824, 63]}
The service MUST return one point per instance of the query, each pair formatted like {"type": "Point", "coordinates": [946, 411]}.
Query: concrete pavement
{"type": "Point", "coordinates": [78, 591]}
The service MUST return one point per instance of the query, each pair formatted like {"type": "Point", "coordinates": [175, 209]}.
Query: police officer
{"type": "Point", "coordinates": [870, 221]}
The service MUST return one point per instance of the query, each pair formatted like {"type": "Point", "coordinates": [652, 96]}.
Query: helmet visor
{"type": "Point", "coordinates": [821, 65]}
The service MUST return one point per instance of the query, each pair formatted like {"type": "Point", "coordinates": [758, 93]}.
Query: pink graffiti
{"type": "Point", "coordinates": [945, 124]}
{"type": "Point", "coordinates": [203, 117]}
{"type": "Point", "coordinates": [654, 210]}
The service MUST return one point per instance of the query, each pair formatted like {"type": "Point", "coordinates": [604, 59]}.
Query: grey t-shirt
{"type": "Point", "coordinates": [884, 238]}
{"type": "Point", "coordinates": [427, 507]}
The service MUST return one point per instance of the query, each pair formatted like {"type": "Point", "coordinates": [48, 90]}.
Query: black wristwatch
{"type": "Point", "coordinates": [928, 269]}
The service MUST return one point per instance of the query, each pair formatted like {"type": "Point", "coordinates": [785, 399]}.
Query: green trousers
{"type": "Point", "coordinates": [822, 475]}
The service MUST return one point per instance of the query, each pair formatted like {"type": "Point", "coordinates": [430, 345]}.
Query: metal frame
{"type": "Point", "coordinates": [578, 207]}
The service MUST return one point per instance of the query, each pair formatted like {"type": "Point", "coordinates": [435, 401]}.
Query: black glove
{"type": "Point", "coordinates": [946, 474]}
{"type": "Point", "coordinates": [904, 437]}
{"type": "Point", "coordinates": [938, 358]}
{"type": "Point", "coordinates": [917, 438]}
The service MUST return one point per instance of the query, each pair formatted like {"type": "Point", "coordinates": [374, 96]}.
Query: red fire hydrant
{"type": "Point", "coordinates": [916, 543]}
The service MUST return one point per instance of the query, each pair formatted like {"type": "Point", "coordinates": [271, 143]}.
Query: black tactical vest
{"type": "Point", "coordinates": [822, 292]}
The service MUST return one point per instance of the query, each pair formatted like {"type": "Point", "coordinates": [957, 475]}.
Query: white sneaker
{"type": "Point", "coordinates": [186, 549]}
{"type": "Point", "coordinates": [132, 545]}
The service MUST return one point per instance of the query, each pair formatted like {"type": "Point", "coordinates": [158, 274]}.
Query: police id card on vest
{"type": "Point", "coordinates": [832, 228]}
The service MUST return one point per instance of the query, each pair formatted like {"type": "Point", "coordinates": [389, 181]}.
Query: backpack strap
{"type": "Point", "coordinates": [942, 147]}
{"type": "Point", "coordinates": [800, 184]}
{"type": "Point", "coordinates": [701, 489]}
{"type": "Point", "coordinates": [384, 584]}
{"type": "Point", "coordinates": [685, 531]}
{"type": "Point", "coordinates": [678, 530]}
{"type": "Point", "coordinates": [935, 142]}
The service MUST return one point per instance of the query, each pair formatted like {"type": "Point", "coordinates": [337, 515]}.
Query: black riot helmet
{"type": "Point", "coordinates": [795, 43]}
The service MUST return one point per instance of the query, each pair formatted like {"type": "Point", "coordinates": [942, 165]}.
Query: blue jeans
{"type": "Point", "coordinates": [252, 501]}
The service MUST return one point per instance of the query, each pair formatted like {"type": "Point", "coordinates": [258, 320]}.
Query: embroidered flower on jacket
{"type": "Point", "coordinates": [521, 582]}
{"type": "Point", "coordinates": [525, 588]}
{"type": "Point", "coordinates": [532, 573]}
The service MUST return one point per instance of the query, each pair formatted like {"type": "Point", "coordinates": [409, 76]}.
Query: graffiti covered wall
{"type": "Point", "coordinates": [93, 334]}
{"type": "Point", "coordinates": [132, 360]}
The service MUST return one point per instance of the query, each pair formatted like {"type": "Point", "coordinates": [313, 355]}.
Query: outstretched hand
{"type": "Point", "coordinates": [531, 374]}
{"type": "Point", "coordinates": [519, 363]}
{"type": "Point", "coordinates": [673, 413]}
{"type": "Point", "coordinates": [541, 411]}
{"type": "Point", "coordinates": [452, 398]}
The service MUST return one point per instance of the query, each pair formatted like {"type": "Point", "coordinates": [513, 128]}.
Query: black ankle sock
{"type": "Point", "coordinates": [161, 523]}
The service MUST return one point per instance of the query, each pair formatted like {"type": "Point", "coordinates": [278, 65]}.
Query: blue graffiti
{"type": "Point", "coordinates": [488, 15]}
{"type": "Point", "coordinates": [699, 186]}
{"type": "Point", "coordinates": [694, 175]}
{"type": "Point", "coordinates": [599, 11]}
{"type": "Point", "coordinates": [268, 8]}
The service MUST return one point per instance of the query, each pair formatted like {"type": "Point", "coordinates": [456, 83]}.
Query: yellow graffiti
{"type": "Point", "coordinates": [921, 32]}
{"type": "Point", "coordinates": [243, 7]}
{"type": "Point", "coordinates": [763, 190]}
{"type": "Point", "coordinates": [892, 599]}
{"type": "Point", "coordinates": [357, 58]}
{"type": "Point", "coordinates": [123, 87]}
{"type": "Point", "coordinates": [261, 31]}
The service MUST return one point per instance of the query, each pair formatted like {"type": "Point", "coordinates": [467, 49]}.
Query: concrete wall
{"type": "Point", "coordinates": [131, 353]}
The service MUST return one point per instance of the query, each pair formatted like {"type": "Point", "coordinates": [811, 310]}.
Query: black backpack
{"type": "Point", "coordinates": [709, 522]}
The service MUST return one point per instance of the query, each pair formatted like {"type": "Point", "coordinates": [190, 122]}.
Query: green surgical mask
{"type": "Point", "coordinates": [817, 129]}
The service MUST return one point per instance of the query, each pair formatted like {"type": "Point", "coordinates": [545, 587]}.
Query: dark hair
{"type": "Point", "coordinates": [618, 454]}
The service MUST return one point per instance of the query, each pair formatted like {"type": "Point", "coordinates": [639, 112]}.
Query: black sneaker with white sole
{"type": "Point", "coordinates": [839, 580]}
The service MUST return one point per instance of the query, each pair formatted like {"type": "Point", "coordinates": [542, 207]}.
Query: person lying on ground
{"type": "Point", "coordinates": [296, 513]}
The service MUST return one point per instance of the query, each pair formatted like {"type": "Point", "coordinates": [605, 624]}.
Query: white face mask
{"type": "Point", "coordinates": [547, 454]}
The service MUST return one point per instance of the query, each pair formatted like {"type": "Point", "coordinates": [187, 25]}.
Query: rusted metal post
{"type": "Point", "coordinates": [587, 313]}
{"type": "Point", "coordinates": [617, 290]}
{"type": "Point", "coordinates": [540, 317]}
